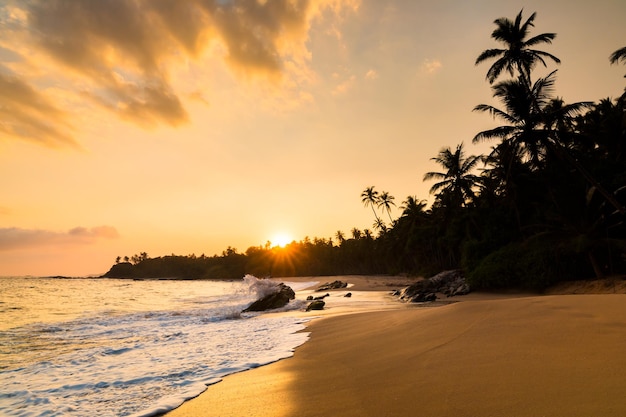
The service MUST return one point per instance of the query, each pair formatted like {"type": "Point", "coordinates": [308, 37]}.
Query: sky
{"type": "Point", "coordinates": [185, 127]}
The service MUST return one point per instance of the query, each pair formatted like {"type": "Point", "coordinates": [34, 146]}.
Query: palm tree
{"type": "Point", "coordinates": [340, 237]}
{"type": "Point", "coordinates": [529, 111]}
{"type": "Point", "coordinates": [380, 225]}
{"type": "Point", "coordinates": [456, 181]}
{"type": "Point", "coordinates": [412, 207]}
{"type": "Point", "coordinates": [370, 197]}
{"type": "Point", "coordinates": [518, 55]}
{"type": "Point", "coordinates": [385, 200]}
{"type": "Point", "coordinates": [532, 115]}
{"type": "Point", "coordinates": [356, 233]}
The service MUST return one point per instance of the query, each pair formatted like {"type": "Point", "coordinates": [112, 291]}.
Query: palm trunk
{"type": "Point", "coordinates": [594, 264]}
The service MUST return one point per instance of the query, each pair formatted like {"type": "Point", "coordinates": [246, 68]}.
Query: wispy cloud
{"type": "Point", "coordinates": [430, 66]}
{"type": "Point", "coordinates": [17, 238]}
{"type": "Point", "coordinates": [118, 54]}
{"type": "Point", "coordinates": [371, 74]}
{"type": "Point", "coordinates": [344, 86]}
{"type": "Point", "coordinates": [29, 114]}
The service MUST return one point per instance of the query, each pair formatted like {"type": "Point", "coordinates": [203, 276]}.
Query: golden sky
{"type": "Point", "coordinates": [168, 126]}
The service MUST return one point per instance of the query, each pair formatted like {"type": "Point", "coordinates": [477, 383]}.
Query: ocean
{"type": "Point", "coordinates": [112, 347]}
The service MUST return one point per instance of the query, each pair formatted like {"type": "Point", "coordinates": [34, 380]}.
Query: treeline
{"type": "Point", "coordinates": [548, 203]}
{"type": "Point", "coordinates": [305, 258]}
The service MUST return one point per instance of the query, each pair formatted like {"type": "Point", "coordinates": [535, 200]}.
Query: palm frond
{"type": "Point", "coordinates": [618, 55]}
{"type": "Point", "coordinates": [501, 132]}
{"type": "Point", "coordinates": [543, 38]}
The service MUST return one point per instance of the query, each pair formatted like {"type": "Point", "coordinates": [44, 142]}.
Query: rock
{"type": "Point", "coordinates": [332, 286]}
{"type": "Point", "coordinates": [450, 283]}
{"type": "Point", "coordinates": [309, 298]}
{"type": "Point", "coordinates": [316, 305]}
{"type": "Point", "coordinates": [277, 299]}
{"type": "Point", "coordinates": [321, 297]}
{"type": "Point", "coordinates": [348, 295]}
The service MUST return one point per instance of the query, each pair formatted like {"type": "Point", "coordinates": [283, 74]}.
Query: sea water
{"type": "Point", "coordinates": [109, 347]}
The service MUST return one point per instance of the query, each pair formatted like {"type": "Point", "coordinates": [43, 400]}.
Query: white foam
{"type": "Point", "coordinates": [143, 363]}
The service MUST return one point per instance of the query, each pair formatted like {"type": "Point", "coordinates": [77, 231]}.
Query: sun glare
{"type": "Point", "coordinates": [281, 240]}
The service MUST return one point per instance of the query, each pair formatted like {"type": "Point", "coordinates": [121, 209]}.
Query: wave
{"type": "Point", "coordinates": [142, 363]}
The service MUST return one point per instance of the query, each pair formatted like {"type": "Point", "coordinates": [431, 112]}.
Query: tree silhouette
{"type": "Point", "coordinates": [456, 181]}
{"type": "Point", "coordinates": [385, 201]}
{"type": "Point", "coordinates": [340, 236]}
{"type": "Point", "coordinates": [370, 197]}
{"type": "Point", "coordinates": [518, 55]}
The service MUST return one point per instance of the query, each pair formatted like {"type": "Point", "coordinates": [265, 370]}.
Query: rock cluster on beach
{"type": "Point", "coordinates": [277, 299]}
{"type": "Point", "coordinates": [335, 285]}
{"type": "Point", "coordinates": [450, 283]}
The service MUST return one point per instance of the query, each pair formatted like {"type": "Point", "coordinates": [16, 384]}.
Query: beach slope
{"type": "Point", "coordinates": [560, 355]}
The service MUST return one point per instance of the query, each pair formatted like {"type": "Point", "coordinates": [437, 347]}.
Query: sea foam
{"type": "Point", "coordinates": [123, 362]}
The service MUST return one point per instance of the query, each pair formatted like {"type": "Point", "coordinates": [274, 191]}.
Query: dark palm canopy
{"type": "Point", "coordinates": [531, 113]}
{"type": "Point", "coordinates": [456, 181]}
{"type": "Point", "coordinates": [518, 55]}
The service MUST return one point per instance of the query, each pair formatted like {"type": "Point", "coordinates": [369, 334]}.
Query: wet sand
{"type": "Point", "coordinates": [487, 355]}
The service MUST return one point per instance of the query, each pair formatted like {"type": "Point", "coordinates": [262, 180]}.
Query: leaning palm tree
{"type": "Point", "coordinates": [457, 181]}
{"type": "Point", "coordinates": [370, 197]}
{"type": "Point", "coordinates": [518, 55]}
{"type": "Point", "coordinates": [385, 201]}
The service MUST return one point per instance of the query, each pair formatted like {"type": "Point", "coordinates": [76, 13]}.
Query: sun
{"type": "Point", "coordinates": [281, 239]}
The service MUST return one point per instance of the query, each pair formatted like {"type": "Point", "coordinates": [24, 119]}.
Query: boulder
{"type": "Point", "coordinates": [316, 305]}
{"type": "Point", "coordinates": [277, 299]}
{"type": "Point", "coordinates": [332, 286]}
{"type": "Point", "coordinates": [450, 283]}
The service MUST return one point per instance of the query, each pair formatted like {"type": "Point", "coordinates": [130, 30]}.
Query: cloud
{"type": "Point", "coordinates": [344, 86]}
{"type": "Point", "coordinates": [29, 114]}
{"type": "Point", "coordinates": [119, 54]}
{"type": "Point", "coordinates": [430, 66]}
{"type": "Point", "coordinates": [371, 74]}
{"type": "Point", "coordinates": [17, 238]}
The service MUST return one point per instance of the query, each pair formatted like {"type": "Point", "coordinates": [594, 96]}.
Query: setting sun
{"type": "Point", "coordinates": [281, 239]}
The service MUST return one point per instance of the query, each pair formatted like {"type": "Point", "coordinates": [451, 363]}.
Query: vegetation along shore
{"type": "Point", "coordinates": [546, 204]}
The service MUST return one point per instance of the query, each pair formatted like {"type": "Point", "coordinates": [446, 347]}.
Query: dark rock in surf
{"type": "Point", "coordinates": [321, 297]}
{"type": "Point", "coordinates": [450, 283]}
{"type": "Point", "coordinates": [316, 305]}
{"type": "Point", "coordinates": [332, 286]}
{"type": "Point", "coordinates": [277, 299]}
{"type": "Point", "coordinates": [349, 294]}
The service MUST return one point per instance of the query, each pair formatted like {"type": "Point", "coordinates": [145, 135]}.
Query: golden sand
{"type": "Point", "coordinates": [487, 355]}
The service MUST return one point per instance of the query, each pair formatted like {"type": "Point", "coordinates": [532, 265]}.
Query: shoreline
{"type": "Point", "coordinates": [487, 354]}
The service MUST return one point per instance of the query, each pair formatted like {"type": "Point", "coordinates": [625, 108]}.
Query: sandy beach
{"type": "Point", "coordinates": [560, 354]}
